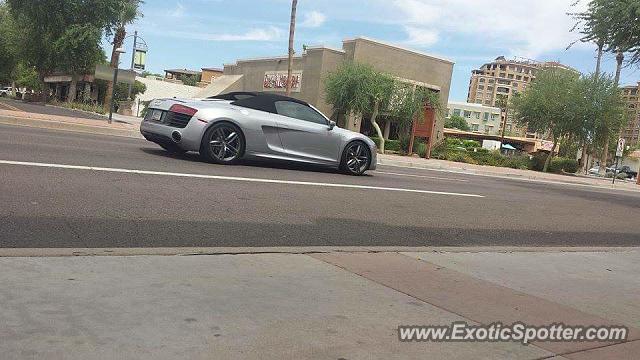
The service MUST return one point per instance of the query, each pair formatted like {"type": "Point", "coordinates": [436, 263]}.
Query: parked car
{"type": "Point", "coordinates": [229, 127]}
{"type": "Point", "coordinates": [625, 170]}
{"type": "Point", "coordinates": [5, 91]}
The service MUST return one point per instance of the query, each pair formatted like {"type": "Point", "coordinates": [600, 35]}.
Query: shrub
{"type": "Point", "coordinates": [560, 165]}
{"type": "Point", "coordinates": [390, 145]}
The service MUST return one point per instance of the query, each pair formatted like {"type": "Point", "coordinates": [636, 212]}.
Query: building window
{"type": "Point", "coordinates": [503, 75]}
{"type": "Point", "coordinates": [475, 127]}
{"type": "Point", "coordinates": [485, 116]}
{"type": "Point", "coordinates": [456, 112]}
{"type": "Point", "coordinates": [480, 87]}
{"type": "Point", "coordinates": [467, 114]}
{"type": "Point", "coordinates": [487, 128]}
{"type": "Point", "coordinates": [503, 90]}
{"type": "Point", "coordinates": [519, 77]}
{"type": "Point", "coordinates": [481, 80]}
{"type": "Point", "coordinates": [494, 117]}
{"type": "Point", "coordinates": [510, 76]}
{"type": "Point", "coordinates": [491, 81]}
{"type": "Point", "coordinates": [477, 114]}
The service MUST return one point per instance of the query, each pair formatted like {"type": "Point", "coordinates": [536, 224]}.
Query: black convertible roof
{"type": "Point", "coordinates": [256, 100]}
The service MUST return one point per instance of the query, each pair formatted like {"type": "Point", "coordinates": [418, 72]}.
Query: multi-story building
{"type": "Point", "coordinates": [480, 118]}
{"type": "Point", "coordinates": [631, 95]}
{"type": "Point", "coordinates": [501, 79]}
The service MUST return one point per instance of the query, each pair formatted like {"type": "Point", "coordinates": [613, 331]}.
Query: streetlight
{"type": "Point", "coordinates": [117, 52]}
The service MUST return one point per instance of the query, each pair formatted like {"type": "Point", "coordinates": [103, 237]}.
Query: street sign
{"type": "Point", "coordinates": [105, 72]}
{"type": "Point", "coordinates": [620, 149]}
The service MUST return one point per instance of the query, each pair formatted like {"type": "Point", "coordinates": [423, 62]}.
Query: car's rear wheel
{"type": "Point", "coordinates": [356, 158]}
{"type": "Point", "coordinates": [223, 143]}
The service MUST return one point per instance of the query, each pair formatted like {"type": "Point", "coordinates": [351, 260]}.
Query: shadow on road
{"type": "Point", "coordinates": [62, 232]}
{"type": "Point", "coordinates": [272, 164]}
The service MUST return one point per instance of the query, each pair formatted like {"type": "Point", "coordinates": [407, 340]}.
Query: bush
{"type": "Point", "coordinates": [558, 164]}
{"type": "Point", "coordinates": [81, 106]}
{"type": "Point", "coordinates": [390, 145]}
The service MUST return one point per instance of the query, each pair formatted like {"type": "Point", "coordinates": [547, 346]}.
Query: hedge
{"type": "Point", "coordinates": [391, 145]}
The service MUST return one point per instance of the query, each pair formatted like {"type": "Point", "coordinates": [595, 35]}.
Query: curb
{"type": "Point", "coordinates": [193, 251]}
{"type": "Point", "coordinates": [516, 177]}
{"type": "Point", "coordinates": [57, 125]}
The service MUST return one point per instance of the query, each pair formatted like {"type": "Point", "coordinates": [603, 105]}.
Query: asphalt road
{"type": "Point", "coordinates": [183, 202]}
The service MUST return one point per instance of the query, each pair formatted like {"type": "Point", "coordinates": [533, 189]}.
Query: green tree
{"type": "Point", "coordinates": [360, 89]}
{"type": "Point", "coordinates": [8, 46]}
{"type": "Point", "coordinates": [190, 80]}
{"type": "Point", "coordinates": [127, 12]}
{"type": "Point", "coordinates": [457, 122]}
{"type": "Point", "coordinates": [551, 103]}
{"type": "Point", "coordinates": [78, 52]}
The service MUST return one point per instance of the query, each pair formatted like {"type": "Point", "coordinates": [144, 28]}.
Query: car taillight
{"type": "Point", "coordinates": [181, 109]}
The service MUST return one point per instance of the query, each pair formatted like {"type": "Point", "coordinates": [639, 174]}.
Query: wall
{"type": "Point", "coordinates": [163, 89]}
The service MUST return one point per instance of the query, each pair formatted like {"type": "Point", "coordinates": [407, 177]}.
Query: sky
{"type": "Point", "coordinates": [209, 33]}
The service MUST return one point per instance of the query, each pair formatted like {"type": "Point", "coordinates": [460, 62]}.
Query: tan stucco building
{"type": "Point", "coordinates": [503, 78]}
{"type": "Point", "coordinates": [312, 66]}
{"type": "Point", "coordinates": [631, 95]}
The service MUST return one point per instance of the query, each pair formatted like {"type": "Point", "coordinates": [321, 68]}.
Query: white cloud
{"type": "Point", "coordinates": [420, 36]}
{"type": "Point", "coordinates": [178, 11]}
{"type": "Point", "coordinates": [525, 28]}
{"type": "Point", "coordinates": [270, 33]}
{"type": "Point", "coordinates": [313, 19]}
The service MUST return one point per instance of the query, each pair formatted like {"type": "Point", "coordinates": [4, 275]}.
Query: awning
{"type": "Point", "coordinates": [508, 147]}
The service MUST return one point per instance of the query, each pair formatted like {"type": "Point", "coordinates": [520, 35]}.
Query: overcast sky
{"type": "Point", "coordinates": [210, 33]}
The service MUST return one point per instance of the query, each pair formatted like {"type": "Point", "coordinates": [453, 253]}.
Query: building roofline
{"type": "Point", "coordinates": [323, 47]}
{"type": "Point", "coordinates": [212, 69]}
{"type": "Point", "coordinates": [430, 56]}
{"type": "Point", "coordinates": [270, 58]}
{"type": "Point", "coordinates": [474, 105]}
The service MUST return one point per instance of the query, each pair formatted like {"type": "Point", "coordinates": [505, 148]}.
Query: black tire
{"type": "Point", "coordinates": [356, 158]}
{"type": "Point", "coordinates": [220, 146]}
{"type": "Point", "coordinates": [173, 149]}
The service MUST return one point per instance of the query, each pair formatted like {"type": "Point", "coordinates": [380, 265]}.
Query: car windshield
{"type": "Point", "coordinates": [319, 179]}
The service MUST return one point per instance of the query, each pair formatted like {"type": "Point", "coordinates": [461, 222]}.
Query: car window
{"type": "Point", "coordinates": [299, 111]}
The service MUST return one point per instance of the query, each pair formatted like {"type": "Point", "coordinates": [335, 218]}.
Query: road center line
{"type": "Point", "coordinates": [232, 178]}
{"type": "Point", "coordinates": [419, 176]}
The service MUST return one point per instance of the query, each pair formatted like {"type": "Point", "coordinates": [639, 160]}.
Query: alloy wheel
{"type": "Point", "coordinates": [225, 143]}
{"type": "Point", "coordinates": [357, 160]}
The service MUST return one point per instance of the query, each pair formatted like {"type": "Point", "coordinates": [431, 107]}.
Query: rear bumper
{"type": "Point", "coordinates": [190, 136]}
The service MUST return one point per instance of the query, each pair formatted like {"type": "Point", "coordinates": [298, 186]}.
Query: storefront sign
{"type": "Point", "coordinates": [277, 81]}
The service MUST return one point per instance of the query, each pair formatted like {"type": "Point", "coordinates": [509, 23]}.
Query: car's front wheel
{"type": "Point", "coordinates": [223, 143]}
{"type": "Point", "coordinates": [356, 158]}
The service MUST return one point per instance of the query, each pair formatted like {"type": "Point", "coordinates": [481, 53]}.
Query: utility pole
{"type": "Point", "coordinates": [133, 59]}
{"type": "Point", "coordinates": [292, 30]}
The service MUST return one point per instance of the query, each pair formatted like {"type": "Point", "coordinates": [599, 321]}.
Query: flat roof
{"type": "Point", "coordinates": [212, 69]}
{"type": "Point", "coordinates": [379, 42]}
{"type": "Point", "coordinates": [183, 71]}
{"type": "Point", "coordinates": [473, 105]}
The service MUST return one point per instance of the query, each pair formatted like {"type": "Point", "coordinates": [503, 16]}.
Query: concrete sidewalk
{"type": "Point", "coordinates": [119, 127]}
{"type": "Point", "coordinates": [494, 171]}
{"type": "Point", "coordinates": [333, 305]}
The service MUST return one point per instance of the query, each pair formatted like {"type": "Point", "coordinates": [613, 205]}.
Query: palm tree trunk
{"type": "Point", "coordinates": [292, 30]}
{"type": "Point", "coordinates": [376, 111]}
{"type": "Point", "coordinates": [605, 147]}
{"type": "Point", "coordinates": [118, 39]}
{"type": "Point", "coordinates": [585, 144]}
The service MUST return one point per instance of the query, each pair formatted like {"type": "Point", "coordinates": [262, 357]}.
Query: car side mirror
{"type": "Point", "coordinates": [332, 124]}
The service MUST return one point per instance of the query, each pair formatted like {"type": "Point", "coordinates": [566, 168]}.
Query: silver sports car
{"type": "Point", "coordinates": [229, 127]}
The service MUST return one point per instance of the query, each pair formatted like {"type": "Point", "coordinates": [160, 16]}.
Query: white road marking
{"type": "Point", "coordinates": [232, 178]}
{"type": "Point", "coordinates": [420, 176]}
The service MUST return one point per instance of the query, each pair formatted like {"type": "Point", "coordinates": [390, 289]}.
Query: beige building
{"type": "Point", "coordinates": [312, 66]}
{"type": "Point", "coordinates": [480, 118]}
{"type": "Point", "coordinates": [210, 74]}
{"type": "Point", "coordinates": [504, 78]}
{"type": "Point", "coordinates": [631, 95]}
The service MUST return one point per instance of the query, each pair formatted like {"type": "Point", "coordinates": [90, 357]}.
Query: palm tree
{"type": "Point", "coordinates": [128, 14]}
{"type": "Point", "coordinates": [292, 30]}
